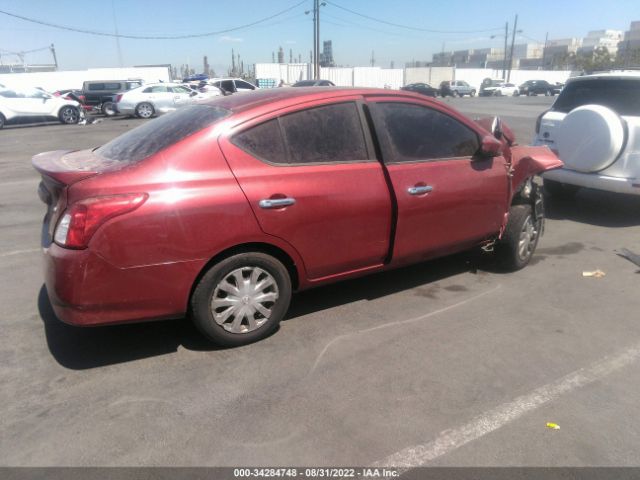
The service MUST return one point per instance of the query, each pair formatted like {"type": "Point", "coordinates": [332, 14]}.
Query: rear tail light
{"type": "Point", "coordinates": [81, 220]}
{"type": "Point", "coordinates": [82, 98]}
{"type": "Point", "coordinates": [118, 98]}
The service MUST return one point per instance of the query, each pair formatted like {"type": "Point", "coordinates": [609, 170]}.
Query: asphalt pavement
{"type": "Point", "coordinates": [444, 363]}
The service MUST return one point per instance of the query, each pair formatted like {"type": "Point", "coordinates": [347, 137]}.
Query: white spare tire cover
{"type": "Point", "coordinates": [590, 138]}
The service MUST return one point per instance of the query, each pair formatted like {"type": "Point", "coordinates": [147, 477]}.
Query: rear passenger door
{"type": "Point", "coordinates": [448, 198]}
{"type": "Point", "coordinates": [312, 180]}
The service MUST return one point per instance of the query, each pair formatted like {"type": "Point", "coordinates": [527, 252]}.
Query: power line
{"type": "Point", "coordinates": [151, 37]}
{"type": "Point", "coordinates": [25, 51]}
{"type": "Point", "coordinates": [409, 27]}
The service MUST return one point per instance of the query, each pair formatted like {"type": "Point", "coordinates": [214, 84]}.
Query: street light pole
{"type": "Point", "coordinates": [316, 39]}
{"type": "Point", "coordinates": [513, 40]}
{"type": "Point", "coordinates": [504, 58]}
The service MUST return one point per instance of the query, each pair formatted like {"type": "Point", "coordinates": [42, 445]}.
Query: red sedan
{"type": "Point", "coordinates": [220, 210]}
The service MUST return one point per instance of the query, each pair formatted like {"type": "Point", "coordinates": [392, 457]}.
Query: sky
{"type": "Point", "coordinates": [467, 24]}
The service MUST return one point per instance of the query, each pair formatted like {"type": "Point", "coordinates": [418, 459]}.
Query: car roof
{"type": "Point", "coordinates": [619, 74]}
{"type": "Point", "coordinates": [259, 98]}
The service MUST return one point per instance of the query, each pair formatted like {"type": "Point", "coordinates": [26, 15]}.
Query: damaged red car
{"type": "Point", "coordinates": [221, 210]}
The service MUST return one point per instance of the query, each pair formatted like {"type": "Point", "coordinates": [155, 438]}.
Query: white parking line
{"type": "Point", "coordinates": [399, 322]}
{"type": "Point", "coordinates": [19, 252]}
{"type": "Point", "coordinates": [449, 440]}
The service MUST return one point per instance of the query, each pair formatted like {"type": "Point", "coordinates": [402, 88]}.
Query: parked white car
{"type": "Point", "coordinates": [21, 104]}
{"type": "Point", "coordinates": [504, 89]}
{"type": "Point", "coordinates": [232, 85]}
{"type": "Point", "coordinates": [155, 98]}
{"type": "Point", "coordinates": [594, 127]}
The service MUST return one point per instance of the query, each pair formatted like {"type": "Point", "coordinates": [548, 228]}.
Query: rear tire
{"type": "Point", "coordinates": [145, 110]}
{"type": "Point", "coordinates": [520, 238]}
{"type": "Point", "coordinates": [455, 93]}
{"type": "Point", "coordinates": [2, 121]}
{"type": "Point", "coordinates": [473, 93]}
{"type": "Point", "coordinates": [241, 299]}
{"type": "Point", "coordinates": [559, 190]}
{"type": "Point", "coordinates": [108, 109]}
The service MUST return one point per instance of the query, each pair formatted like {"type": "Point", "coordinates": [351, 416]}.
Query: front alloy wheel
{"type": "Point", "coordinates": [69, 115]}
{"type": "Point", "coordinates": [520, 238]}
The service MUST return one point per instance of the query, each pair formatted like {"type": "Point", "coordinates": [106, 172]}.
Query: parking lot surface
{"type": "Point", "coordinates": [444, 363]}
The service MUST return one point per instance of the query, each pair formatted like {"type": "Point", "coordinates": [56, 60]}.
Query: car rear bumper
{"type": "Point", "coordinates": [86, 290]}
{"type": "Point", "coordinates": [595, 180]}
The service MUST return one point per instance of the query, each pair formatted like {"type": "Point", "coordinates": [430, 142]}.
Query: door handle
{"type": "Point", "coordinates": [276, 202]}
{"type": "Point", "coordinates": [419, 190]}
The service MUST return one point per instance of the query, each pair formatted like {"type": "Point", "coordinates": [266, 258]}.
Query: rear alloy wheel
{"type": "Point", "coordinates": [241, 299]}
{"type": "Point", "coordinates": [69, 115]}
{"type": "Point", "coordinates": [108, 109]}
{"type": "Point", "coordinates": [520, 238]}
{"type": "Point", "coordinates": [559, 190]}
{"type": "Point", "coordinates": [145, 110]}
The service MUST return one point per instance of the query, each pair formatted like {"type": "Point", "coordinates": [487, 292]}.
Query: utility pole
{"type": "Point", "coordinates": [513, 40]}
{"type": "Point", "coordinates": [544, 50]}
{"type": "Point", "coordinates": [53, 52]}
{"type": "Point", "coordinates": [233, 62]}
{"type": "Point", "coordinates": [316, 39]}
{"type": "Point", "coordinates": [504, 59]}
{"type": "Point", "coordinates": [373, 60]}
{"type": "Point", "coordinates": [115, 25]}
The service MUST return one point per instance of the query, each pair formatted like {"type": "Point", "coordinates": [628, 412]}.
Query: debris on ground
{"type": "Point", "coordinates": [629, 255]}
{"type": "Point", "coordinates": [553, 426]}
{"type": "Point", "coordinates": [596, 274]}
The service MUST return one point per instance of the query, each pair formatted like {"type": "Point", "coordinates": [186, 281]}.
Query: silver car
{"type": "Point", "coordinates": [154, 98]}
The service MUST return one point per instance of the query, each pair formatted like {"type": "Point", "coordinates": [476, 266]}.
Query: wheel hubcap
{"type": "Point", "coordinates": [244, 299]}
{"type": "Point", "coordinates": [145, 111]}
{"type": "Point", "coordinates": [528, 236]}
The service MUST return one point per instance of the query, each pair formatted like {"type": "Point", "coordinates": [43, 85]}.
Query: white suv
{"type": "Point", "coordinates": [594, 127]}
{"type": "Point", "coordinates": [36, 104]}
{"type": "Point", "coordinates": [232, 85]}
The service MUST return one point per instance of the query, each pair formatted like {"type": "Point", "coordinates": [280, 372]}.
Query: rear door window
{"type": "Point", "coordinates": [622, 95]}
{"type": "Point", "coordinates": [331, 133]}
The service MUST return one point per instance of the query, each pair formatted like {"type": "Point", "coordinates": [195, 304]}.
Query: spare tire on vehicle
{"type": "Point", "coordinates": [590, 138]}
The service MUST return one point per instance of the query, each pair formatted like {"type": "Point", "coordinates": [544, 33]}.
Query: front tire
{"type": "Point", "coordinates": [473, 93]}
{"type": "Point", "coordinates": [69, 115]}
{"type": "Point", "coordinates": [520, 238]}
{"type": "Point", "coordinates": [145, 110]}
{"type": "Point", "coordinates": [2, 121]}
{"type": "Point", "coordinates": [241, 299]}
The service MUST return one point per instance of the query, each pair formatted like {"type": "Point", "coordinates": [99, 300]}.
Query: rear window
{"type": "Point", "coordinates": [622, 95]}
{"type": "Point", "coordinates": [160, 133]}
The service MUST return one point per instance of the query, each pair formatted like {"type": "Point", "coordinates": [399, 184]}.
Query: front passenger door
{"type": "Point", "coordinates": [448, 198]}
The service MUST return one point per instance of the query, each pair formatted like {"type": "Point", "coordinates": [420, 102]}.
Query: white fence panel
{"type": "Point", "coordinates": [52, 81]}
{"type": "Point", "coordinates": [378, 77]}
{"type": "Point", "coordinates": [342, 77]}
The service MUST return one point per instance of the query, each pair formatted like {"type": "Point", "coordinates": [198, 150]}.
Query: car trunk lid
{"type": "Point", "coordinates": [59, 170]}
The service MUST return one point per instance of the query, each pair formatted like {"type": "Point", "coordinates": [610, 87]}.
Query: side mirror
{"type": "Point", "coordinates": [490, 147]}
{"type": "Point", "coordinates": [496, 128]}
